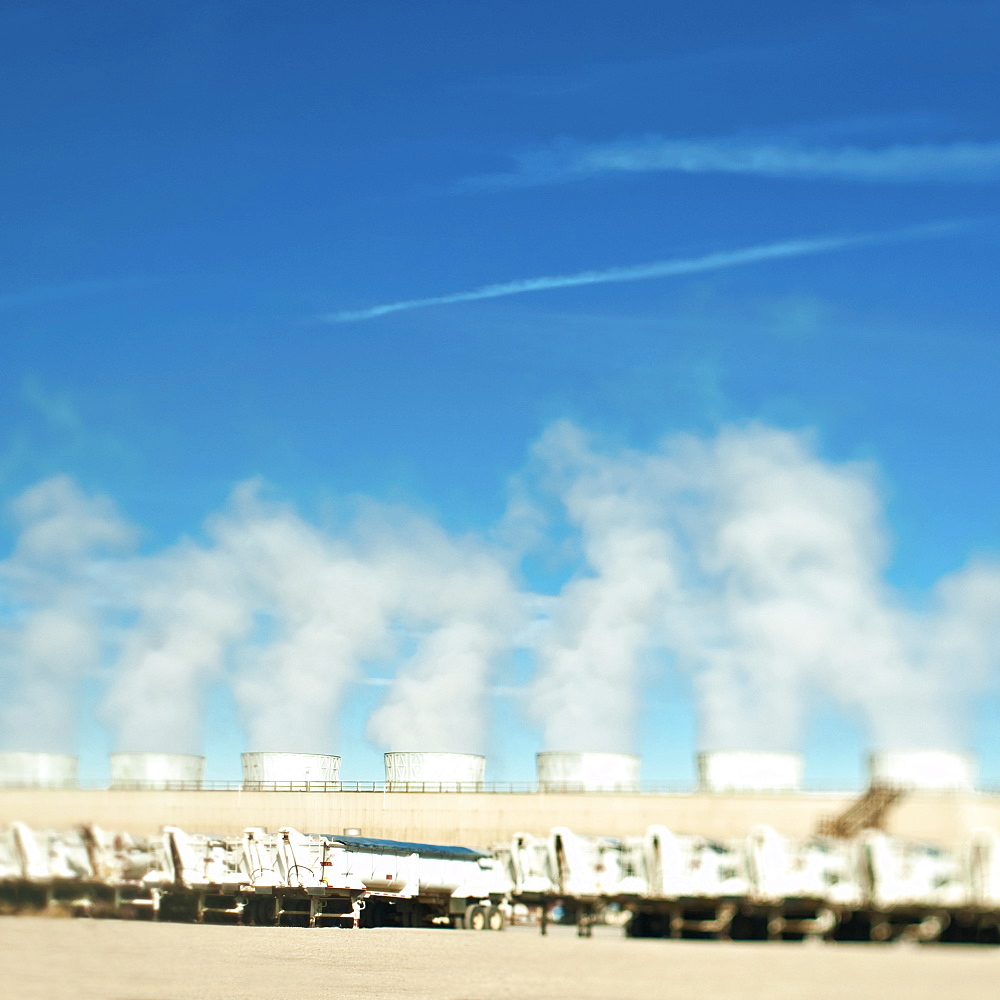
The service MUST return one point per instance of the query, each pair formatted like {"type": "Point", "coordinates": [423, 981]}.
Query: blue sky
{"type": "Point", "coordinates": [201, 199]}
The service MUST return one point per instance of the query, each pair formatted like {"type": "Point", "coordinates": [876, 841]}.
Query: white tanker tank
{"type": "Point", "coordinates": [19, 769]}
{"type": "Point", "coordinates": [749, 771]}
{"type": "Point", "coordinates": [180, 771]}
{"type": "Point", "coordinates": [420, 771]}
{"type": "Point", "coordinates": [387, 867]}
{"type": "Point", "coordinates": [923, 770]}
{"type": "Point", "coordinates": [289, 771]}
{"type": "Point", "coordinates": [560, 771]}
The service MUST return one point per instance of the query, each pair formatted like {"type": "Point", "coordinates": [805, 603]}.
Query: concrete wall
{"type": "Point", "coordinates": [482, 819]}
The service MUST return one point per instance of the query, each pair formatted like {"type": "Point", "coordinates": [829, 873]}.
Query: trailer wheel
{"type": "Point", "coordinates": [497, 919]}
{"type": "Point", "coordinates": [477, 918]}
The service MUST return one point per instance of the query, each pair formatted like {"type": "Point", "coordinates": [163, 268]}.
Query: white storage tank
{"type": "Point", "coordinates": [560, 771]}
{"type": "Point", "coordinates": [157, 770]}
{"type": "Point", "coordinates": [749, 771]}
{"type": "Point", "coordinates": [449, 771]}
{"type": "Point", "coordinates": [37, 770]}
{"type": "Point", "coordinates": [292, 771]}
{"type": "Point", "coordinates": [928, 770]}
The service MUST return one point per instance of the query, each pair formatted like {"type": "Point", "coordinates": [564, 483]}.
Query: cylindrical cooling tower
{"type": "Point", "coordinates": [289, 771]}
{"type": "Point", "coordinates": [587, 772]}
{"type": "Point", "coordinates": [37, 770]}
{"type": "Point", "coordinates": [930, 770]}
{"type": "Point", "coordinates": [749, 771]}
{"type": "Point", "coordinates": [157, 770]}
{"type": "Point", "coordinates": [427, 771]}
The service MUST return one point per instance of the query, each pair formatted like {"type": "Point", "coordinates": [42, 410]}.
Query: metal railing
{"type": "Point", "coordinates": [435, 787]}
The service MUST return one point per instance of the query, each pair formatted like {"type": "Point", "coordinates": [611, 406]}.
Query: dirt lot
{"type": "Point", "coordinates": [112, 960]}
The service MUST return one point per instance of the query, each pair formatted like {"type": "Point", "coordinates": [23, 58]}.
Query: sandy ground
{"type": "Point", "coordinates": [113, 960]}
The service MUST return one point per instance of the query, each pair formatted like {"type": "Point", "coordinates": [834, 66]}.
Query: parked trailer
{"type": "Point", "coordinates": [672, 885]}
{"type": "Point", "coordinates": [261, 878]}
{"type": "Point", "coordinates": [315, 879]}
{"type": "Point", "coordinates": [983, 860]}
{"type": "Point", "coordinates": [43, 868]}
{"type": "Point", "coordinates": [873, 887]}
{"type": "Point", "coordinates": [695, 886]}
{"type": "Point", "coordinates": [409, 884]}
{"type": "Point", "coordinates": [84, 870]}
{"type": "Point", "coordinates": [582, 875]}
{"type": "Point", "coordinates": [295, 879]}
{"type": "Point", "coordinates": [200, 877]}
{"type": "Point", "coordinates": [800, 888]}
{"type": "Point", "coordinates": [592, 873]}
{"type": "Point", "coordinates": [983, 872]}
{"type": "Point", "coordinates": [912, 890]}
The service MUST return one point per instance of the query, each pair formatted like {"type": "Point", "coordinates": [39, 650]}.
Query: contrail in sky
{"type": "Point", "coordinates": [567, 160]}
{"type": "Point", "coordinates": [657, 269]}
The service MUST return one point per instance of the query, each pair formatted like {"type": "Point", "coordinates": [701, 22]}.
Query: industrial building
{"type": "Point", "coordinates": [444, 798]}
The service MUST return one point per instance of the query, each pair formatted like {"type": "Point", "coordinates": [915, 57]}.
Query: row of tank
{"type": "Point", "coordinates": [718, 771]}
{"type": "Point", "coordinates": [874, 886]}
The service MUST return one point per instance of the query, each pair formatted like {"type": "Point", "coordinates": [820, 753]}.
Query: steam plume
{"type": "Point", "coordinates": [759, 567]}
{"type": "Point", "coordinates": [289, 614]}
{"type": "Point", "coordinates": [744, 558]}
{"type": "Point", "coordinates": [605, 618]}
{"type": "Point", "coordinates": [51, 587]}
{"type": "Point", "coordinates": [460, 602]}
{"type": "Point", "coordinates": [190, 606]}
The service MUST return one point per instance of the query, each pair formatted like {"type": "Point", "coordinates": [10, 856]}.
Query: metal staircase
{"type": "Point", "coordinates": [866, 813]}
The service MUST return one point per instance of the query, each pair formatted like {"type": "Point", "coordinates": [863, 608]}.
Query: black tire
{"type": "Point", "coordinates": [496, 919]}
{"type": "Point", "coordinates": [477, 918]}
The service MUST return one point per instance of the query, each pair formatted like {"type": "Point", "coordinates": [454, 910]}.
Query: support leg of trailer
{"type": "Point", "coordinates": [676, 922]}
{"type": "Point", "coordinates": [543, 922]}
{"type": "Point", "coordinates": [723, 922]}
{"type": "Point", "coordinates": [824, 925]}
